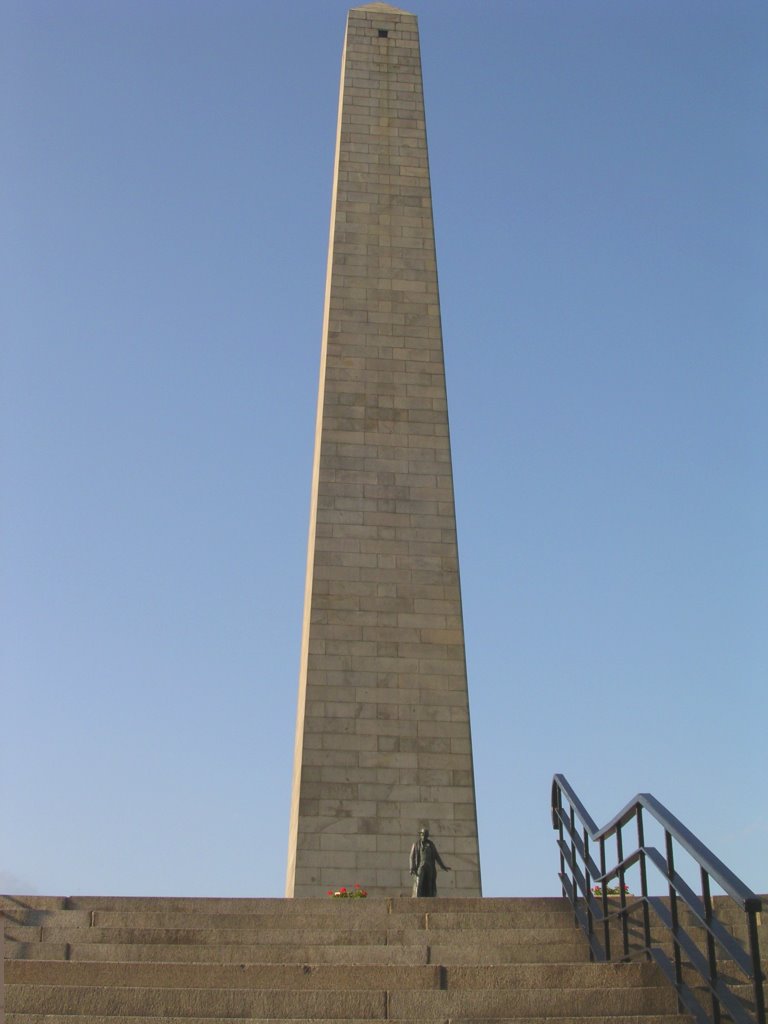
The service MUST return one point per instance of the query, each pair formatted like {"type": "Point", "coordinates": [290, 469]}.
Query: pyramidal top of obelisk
{"type": "Point", "coordinates": [383, 744]}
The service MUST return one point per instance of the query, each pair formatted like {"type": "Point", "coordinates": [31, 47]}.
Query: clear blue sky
{"type": "Point", "coordinates": [599, 173]}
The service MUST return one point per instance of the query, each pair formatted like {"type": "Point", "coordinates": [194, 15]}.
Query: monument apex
{"type": "Point", "coordinates": [383, 743]}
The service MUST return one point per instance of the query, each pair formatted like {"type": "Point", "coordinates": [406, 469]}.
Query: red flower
{"type": "Point", "coordinates": [342, 889]}
{"type": "Point", "coordinates": [330, 892]}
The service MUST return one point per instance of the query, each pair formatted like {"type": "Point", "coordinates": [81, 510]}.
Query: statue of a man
{"type": "Point", "coordinates": [424, 861]}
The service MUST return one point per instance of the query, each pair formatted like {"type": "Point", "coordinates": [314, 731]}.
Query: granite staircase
{"type": "Point", "coordinates": [89, 960]}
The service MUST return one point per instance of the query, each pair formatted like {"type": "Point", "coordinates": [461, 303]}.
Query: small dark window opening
{"type": "Point", "coordinates": [383, 33]}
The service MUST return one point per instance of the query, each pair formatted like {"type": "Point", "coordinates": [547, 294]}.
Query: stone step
{"type": "Point", "coordinates": [35, 950]}
{"type": "Point", "coordinates": [359, 918]}
{"type": "Point", "coordinates": [38, 925]}
{"type": "Point", "coordinates": [294, 977]}
{"type": "Point", "coordinates": [304, 976]}
{"type": "Point", "coordinates": [142, 1002]}
{"type": "Point", "coordinates": [445, 919]}
{"type": "Point", "coordinates": [441, 948]}
{"type": "Point", "coordinates": [725, 909]}
{"type": "Point", "coordinates": [260, 1003]}
{"type": "Point", "coordinates": [533, 937]}
{"type": "Point", "coordinates": [41, 1018]}
{"type": "Point", "coordinates": [37, 918]}
{"type": "Point", "coordinates": [446, 952]}
{"type": "Point", "coordinates": [205, 936]}
{"type": "Point", "coordinates": [25, 937]}
{"type": "Point", "coordinates": [513, 1004]}
{"type": "Point", "coordinates": [273, 936]}
{"type": "Point", "coordinates": [79, 920]}
{"type": "Point", "coordinates": [463, 953]}
{"type": "Point", "coordinates": [40, 902]}
{"type": "Point", "coordinates": [727, 913]}
{"type": "Point", "coordinates": [193, 904]}
{"type": "Point", "coordinates": [220, 954]}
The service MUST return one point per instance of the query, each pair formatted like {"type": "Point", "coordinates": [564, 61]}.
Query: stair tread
{"type": "Point", "coordinates": [305, 976]}
{"type": "Point", "coordinates": [39, 1018]}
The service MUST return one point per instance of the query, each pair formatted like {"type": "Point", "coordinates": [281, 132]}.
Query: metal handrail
{"type": "Point", "coordinates": [579, 872]}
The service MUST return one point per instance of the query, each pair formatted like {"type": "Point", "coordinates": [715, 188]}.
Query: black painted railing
{"type": "Point", "coordinates": [643, 924]}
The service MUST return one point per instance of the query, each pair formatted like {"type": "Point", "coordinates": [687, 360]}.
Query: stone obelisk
{"type": "Point", "coordinates": [383, 742]}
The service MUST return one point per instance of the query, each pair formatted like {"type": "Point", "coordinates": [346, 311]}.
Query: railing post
{"type": "Point", "coordinates": [2, 967]}
{"type": "Point", "coordinates": [644, 883]}
{"type": "Point", "coordinates": [711, 951]}
{"type": "Point", "coordinates": [560, 835]}
{"type": "Point", "coordinates": [673, 913]}
{"type": "Point", "coordinates": [622, 894]}
{"type": "Point", "coordinates": [572, 833]}
{"type": "Point", "coordinates": [757, 967]}
{"type": "Point", "coordinates": [604, 900]}
{"type": "Point", "coordinates": [588, 894]}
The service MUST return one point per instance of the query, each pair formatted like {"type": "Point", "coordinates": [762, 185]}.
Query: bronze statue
{"type": "Point", "coordinates": [424, 861]}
